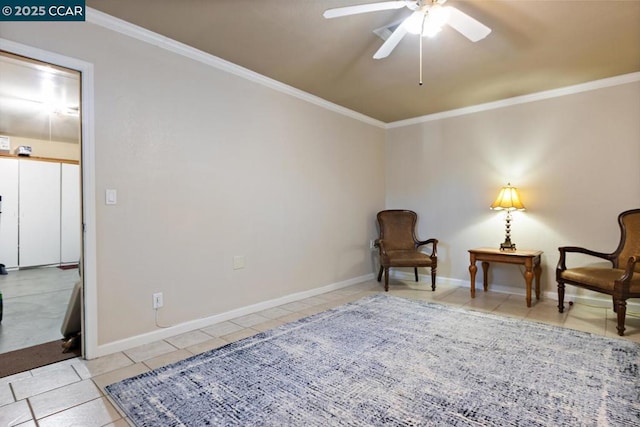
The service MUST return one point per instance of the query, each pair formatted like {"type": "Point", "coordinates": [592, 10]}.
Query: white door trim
{"type": "Point", "coordinates": [89, 272]}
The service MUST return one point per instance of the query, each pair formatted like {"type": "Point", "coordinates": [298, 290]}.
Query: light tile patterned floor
{"type": "Point", "coordinates": [72, 392]}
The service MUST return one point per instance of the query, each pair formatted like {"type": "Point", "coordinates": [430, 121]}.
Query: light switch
{"type": "Point", "coordinates": [111, 197]}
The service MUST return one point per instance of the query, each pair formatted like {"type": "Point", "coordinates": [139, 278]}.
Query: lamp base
{"type": "Point", "coordinates": [507, 246]}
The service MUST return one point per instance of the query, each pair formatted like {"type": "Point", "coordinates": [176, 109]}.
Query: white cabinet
{"type": "Point", "coordinates": [9, 215]}
{"type": "Point", "coordinates": [39, 241]}
{"type": "Point", "coordinates": [70, 218]}
{"type": "Point", "coordinates": [41, 221]}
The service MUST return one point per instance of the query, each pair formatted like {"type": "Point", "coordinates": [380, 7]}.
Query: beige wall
{"type": "Point", "coordinates": [209, 166]}
{"type": "Point", "coordinates": [574, 159]}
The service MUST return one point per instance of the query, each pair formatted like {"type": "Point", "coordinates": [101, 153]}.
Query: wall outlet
{"type": "Point", "coordinates": [158, 301]}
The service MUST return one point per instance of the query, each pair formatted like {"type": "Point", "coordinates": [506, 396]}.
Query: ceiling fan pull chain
{"type": "Point", "coordinates": [420, 83]}
{"type": "Point", "coordinates": [424, 19]}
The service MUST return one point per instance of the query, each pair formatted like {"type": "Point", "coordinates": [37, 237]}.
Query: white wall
{"type": "Point", "coordinates": [574, 159]}
{"type": "Point", "coordinates": [208, 166]}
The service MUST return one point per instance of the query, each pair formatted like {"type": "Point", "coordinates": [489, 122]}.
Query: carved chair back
{"type": "Point", "coordinates": [630, 238]}
{"type": "Point", "coordinates": [397, 229]}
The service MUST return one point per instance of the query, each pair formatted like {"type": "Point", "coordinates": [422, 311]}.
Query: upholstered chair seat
{"type": "Point", "coordinates": [600, 278]}
{"type": "Point", "coordinates": [406, 258]}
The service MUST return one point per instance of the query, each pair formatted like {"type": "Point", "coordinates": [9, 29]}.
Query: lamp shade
{"type": "Point", "coordinates": [508, 199]}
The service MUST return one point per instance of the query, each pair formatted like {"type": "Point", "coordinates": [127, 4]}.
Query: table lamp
{"type": "Point", "coordinates": [509, 200]}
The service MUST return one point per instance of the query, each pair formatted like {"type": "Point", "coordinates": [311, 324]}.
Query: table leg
{"type": "Point", "coordinates": [528, 277]}
{"type": "Point", "coordinates": [537, 271]}
{"type": "Point", "coordinates": [485, 275]}
{"type": "Point", "coordinates": [472, 272]}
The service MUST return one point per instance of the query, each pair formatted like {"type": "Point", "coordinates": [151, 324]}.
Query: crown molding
{"type": "Point", "coordinates": [123, 27]}
{"type": "Point", "coordinates": [548, 94]}
{"type": "Point", "coordinates": [126, 28]}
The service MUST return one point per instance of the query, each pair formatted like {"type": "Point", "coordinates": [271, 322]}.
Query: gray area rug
{"type": "Point", "coordinates": [390, 361]}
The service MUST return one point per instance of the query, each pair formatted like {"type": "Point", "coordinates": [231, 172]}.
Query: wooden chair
{"type": "Point", "coordinates": [399, 246]}
{"type": "Point", "coordinates": [621, 281]}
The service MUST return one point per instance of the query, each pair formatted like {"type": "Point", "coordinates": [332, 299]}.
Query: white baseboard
{"type": "Point", "coordinates": [572, 293]}
{"type": "Point", "coordinates": [160, 334]}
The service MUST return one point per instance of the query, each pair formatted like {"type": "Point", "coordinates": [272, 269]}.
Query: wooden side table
{"type": "Point", "coordinates": [530, 259]}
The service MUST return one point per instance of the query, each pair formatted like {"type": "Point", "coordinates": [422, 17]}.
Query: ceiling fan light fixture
{"type": "Point", "coordinates": [430, 30]}
{"type": "Point", "coordinates": [413, 24]}
{"type": "Point", "coordinates": [427, 19]}
{"type": "Point", "coordinates": [427, 22]}
{"type": "Point", "coordinates": [438, 15]}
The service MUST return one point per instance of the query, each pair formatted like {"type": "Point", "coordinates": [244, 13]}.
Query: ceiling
{"type": "Point", "coordinates": [534, 46]}
{"type": "Point", "coordinates": [38, 100]}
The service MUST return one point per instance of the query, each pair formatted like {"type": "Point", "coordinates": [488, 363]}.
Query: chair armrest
{"type": "Point", "coordinates": [629, 269]}
{"type": "Point", "coordinates": [564, 250]}
{"type": "Point", "coordinates": [379, 243]}
{"type": "Point", "coordinates": [622, 286]}
{"type": "Point", "coordinates": [434, 249]}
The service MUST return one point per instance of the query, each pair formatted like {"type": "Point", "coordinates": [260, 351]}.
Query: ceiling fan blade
{"type": "Point", "coordinates": [363, 8]}
{"type": "Point", "coordinates": [390, 44]}
{"type": "Point", "coordinates": [469, 27]}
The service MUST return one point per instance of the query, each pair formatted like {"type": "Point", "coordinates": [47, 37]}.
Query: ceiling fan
{"type": "Point", "coordinates": [427, 19]}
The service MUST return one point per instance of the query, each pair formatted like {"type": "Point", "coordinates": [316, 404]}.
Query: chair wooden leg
{"type": "Point", "coordinates": [621, 311]}
{"type": "Point", "coordinates": [433, 278]}
{"type": "Point", "coordinates": [380, 273]}
{"type": "Point", "coordinates": [561, 297]}
{"type": "Point", "coordinates": [386, 279]}
{"type": "Point", "coordinates": [415, 270]}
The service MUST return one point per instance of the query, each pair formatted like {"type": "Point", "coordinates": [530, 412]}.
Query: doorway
{"type": "Point", "coordinates": [41, 220]}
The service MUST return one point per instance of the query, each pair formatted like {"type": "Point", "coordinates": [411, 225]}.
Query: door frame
{"type": "Point", "coordinates": [88, 194]}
